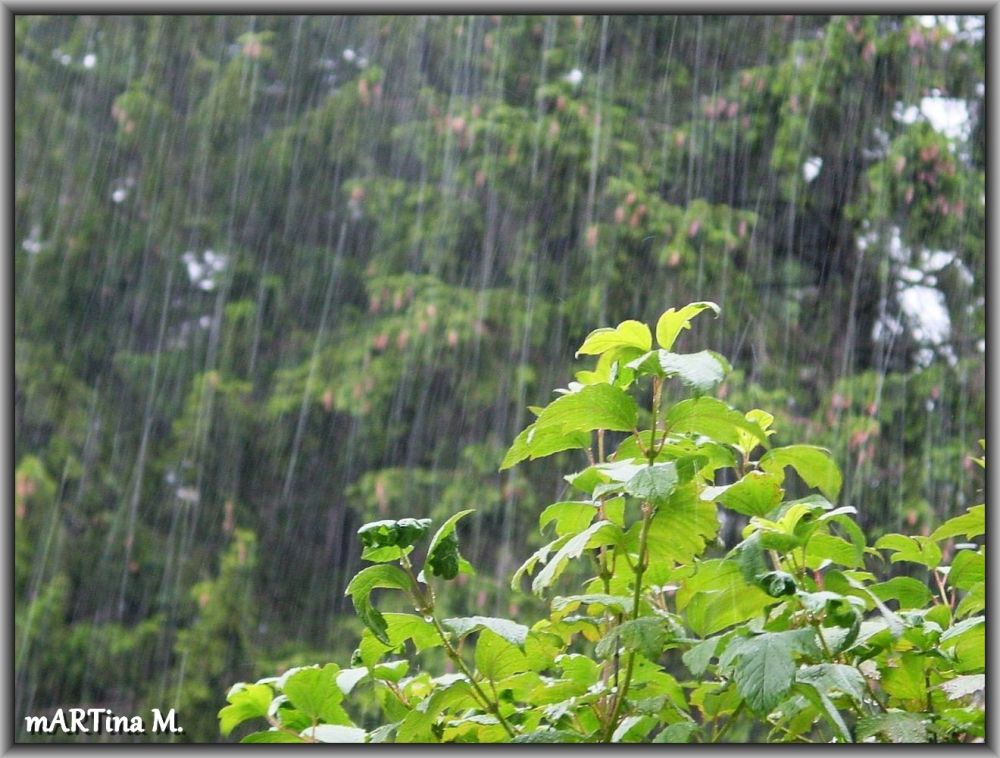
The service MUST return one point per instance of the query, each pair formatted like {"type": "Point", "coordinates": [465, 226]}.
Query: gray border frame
{"type": "Point", "coordinates": [9, 9]}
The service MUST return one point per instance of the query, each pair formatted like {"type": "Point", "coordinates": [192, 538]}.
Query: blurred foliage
{"type": "Point", "coordinates": [289, 274]}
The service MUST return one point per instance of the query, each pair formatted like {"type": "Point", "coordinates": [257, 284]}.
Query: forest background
{"type": "Point", "coordinates": [279, 276]}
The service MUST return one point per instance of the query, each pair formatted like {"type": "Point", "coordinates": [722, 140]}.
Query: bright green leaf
{"type": "Point", "coordinates": [712, 418]}
{"type": "Point", "coordinates": [496, 658]}
{"type": "Point", "coordinates": [756, 494]}
{"type": "Point", "coordinates": [814, 464]}
{"type": "Point", "coordinates": [673, 321]}
{"type": "Point", "coordinates": [314, 691]}
{"type": "Point", "coordinates": [626, 334]}
{"type": "Point", "coordinates": [972, 523]}
{"type": "Point", "coordinates": [246, 701]}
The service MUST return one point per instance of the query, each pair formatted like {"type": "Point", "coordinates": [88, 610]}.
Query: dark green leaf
{"type": "Point", "coordinates": [646, 635]}
{"type": "Point", "coordinates": [677, 733]}
{"type": "Point", "coordinates": [654, 483]}
{"type": "Point", "coordinates": [897, 726]}
{"type": "Point", "coordinates": [402, 533]}
{"type": "Point", "coordinates": [764, 665]}
{"type": "Point", "coordinates": [443, 558]}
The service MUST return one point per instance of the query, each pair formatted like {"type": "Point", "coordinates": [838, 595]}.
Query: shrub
{"type": "Point", "coordinates": [789, 636]}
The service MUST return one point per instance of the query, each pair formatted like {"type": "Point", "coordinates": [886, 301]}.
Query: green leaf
{"type": "Point", "coordinates": [646, 635]}
{"type": "Point", "coordinates": [672, 322]}
{"type": "Point", "coordinates": [626, 334]}
{"type": "Point", "coordinates": [826, 547]}
{"type": "Point", "coordinates": [272, 736]}
{"type": "Point", "coordinates": [922, 550]}
{"type": "Point", "coordinates": [384, 554]}
{"type": "Point", "coordinates": [569, 517]}
{"type": "Point", "coordinates": [555, 736]}
{"type": "Point", "coordinates": [679, 530]}
{"type": "Point", "coordinates": [909, 592]}
{"type": "Point", "coordinates": [633, 729]}
{"type": "Point", "coordinates": [400, 627]}
{"type": "Point", "coordinates": [968, 640]}
{"type": "Point", "coordinates": [534, 443]}
{"type": "Point", "coordinates": [702, 371]}
{"type": "Point", "coordinates": [822, 703]}
{"type": "Point", "coordinates": [246, 701]}
{"type": "Point", "coordinates": [314, 691]}
{"type": "Point", "coordinates": [616, 603]}
{"type": "Point", "coordinates": [764, 666]}
{"type": "Point", "coordinates": [748, 442]}
{"type": "Point", "coordinates": [654, 483]}
{"type": "Point", "coordinates": [973, 602]}
{"type": "Point", "coordinates": [972, 523]}
{"type": "Point", "coordinates": [361, 586]}
{"type": "Point", "coordinates": [897, 726]}
{"type": "Point", "coordinates": [677, 733]}
{"type": "Point", "coordinates": [334, 733]}
{"type": "Point", "coordinates": [777, 583]}
{"type": "Point", "coordinates": [831, 678]}
{"type": "Point", "coordinates": [756, 494]}
{"type": "Point", "coordinates": [599, 406]}
{"type": "Point", "coordinates": [905, 680]}
{"type": "Point", "coordinates": [963, 686]}
{"type": "Point", "coordinates": [539, 556]}
{"type": "Point", "coordinates": [402, 533]}
{"type": "Point", "coordinates": [712, 418]}
{"type": "Point", "coordinates": [735, 603]}
{"type": "Point", "coordinates": [596, 535]}
{"type": "Point", "coordinates": [347, 679]}
{"type": "Point", "coordinates": [511, 631]}
{"type": "Point", "coordinates": [418, 724]}
{"type": "Point", "coordinates": [563, 424]}
{"type": "Point", "coordinates": [967, 568]}
{"type": "Point", "coordinates": [698, 657]}
{"type": "Point", "coordinates": [814, 464]}
{"type": "Point", "coordinates": [443, 558]}
{"type": "Point", "coordinates": [391, 671]}
{"type": "Point", "coordinates": [496, 658]}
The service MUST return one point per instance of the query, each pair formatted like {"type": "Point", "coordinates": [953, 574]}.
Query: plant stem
{"type": "Point", "coordinates": [640, 566]}
{"type": "Point", "coordinates": [425, 601]}
{"type": "Point", "coordinates": [491, 705]}
{"type": "Point", "coordinates": [729, 722]}
{"type": "Point", "coordinates": [822, 641]}
{"type": "Point", "coordinates": [288, 730]}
